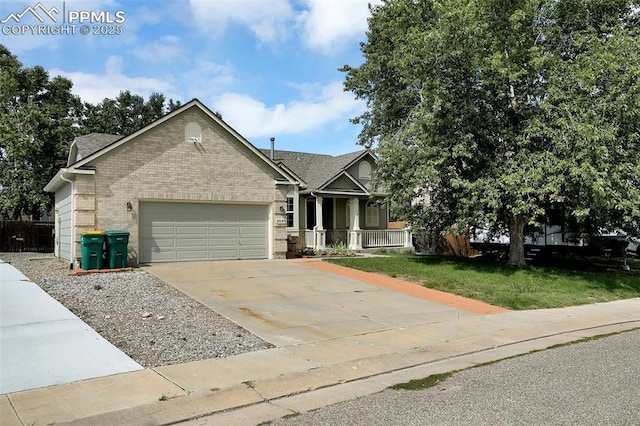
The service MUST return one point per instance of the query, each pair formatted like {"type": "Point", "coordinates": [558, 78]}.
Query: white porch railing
{"type": "Point", "coordinates": [309, 238]}
{"type": "Point", "coordinates": [386, 238]}
{"type": "Point", "coordinates": [315, 238]}
{"type": "Point", "coordinates": [369, 238]}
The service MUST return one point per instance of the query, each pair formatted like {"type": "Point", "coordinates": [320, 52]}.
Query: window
{"type": "Point", "coordinates": [290, 212]}
{"type": "Point", "coordinates": [364, 170]}
{"type": "Point", "coordinates": [372, 214]}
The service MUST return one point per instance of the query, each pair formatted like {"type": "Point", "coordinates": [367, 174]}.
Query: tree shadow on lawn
{"type": "Point", "coordinates": [597, 273]}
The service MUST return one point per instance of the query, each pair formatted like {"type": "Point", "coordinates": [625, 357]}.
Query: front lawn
{"type": "Point", "coordinates": [582, 282]}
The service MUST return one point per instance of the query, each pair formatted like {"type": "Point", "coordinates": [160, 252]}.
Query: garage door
{"type": "Point", "coordinates": [171, 232]}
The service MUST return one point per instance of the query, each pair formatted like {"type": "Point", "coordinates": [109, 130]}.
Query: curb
{"type": "Point", "coordinates": [269, 399]}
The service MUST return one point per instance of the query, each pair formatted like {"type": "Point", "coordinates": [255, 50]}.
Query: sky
{"type": "Point", "coordinates": [269, 67]}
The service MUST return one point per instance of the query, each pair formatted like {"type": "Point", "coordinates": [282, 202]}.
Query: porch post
{"type": "Point", "coordinates": [320, 237]}
{"type": "Point", "coordinates": [355, 235]}
{"type": "Point", "coordinates": [408, 238]}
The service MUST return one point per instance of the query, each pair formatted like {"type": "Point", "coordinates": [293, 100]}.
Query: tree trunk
{"type": "Point", "coordinates": [35, 213]}
{"type": "Point", "coordinates": [516, 246]}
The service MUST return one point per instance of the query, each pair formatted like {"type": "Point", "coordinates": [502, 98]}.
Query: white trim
{"type": "Point", "coordinates": [73, 153]}
{"type": "Point", "coordinates": [339, 175]}
{"type": "Point", "coordinates": [354, 205]}
{"type": "Point", "coordinates": [59, 178]}
{"type": "Point", "coordinates": [192, 132]}
{"type": "Point", "coordinates": [289, 179]}
{"type": "Point", "coordinates": [294, 193]}
{"type": "Point", "coordinates": [344, 169]}
{"type": "Point", "coordinates": [369, 170]}
{"type": "Point", "coordinates": [197, 104]}
{"type": "Point", "coordinates": [319, 224]}
{"type": "Point", "coordinates": [360, 157]}
{"type": "Point", "coordinates": [271, 248]}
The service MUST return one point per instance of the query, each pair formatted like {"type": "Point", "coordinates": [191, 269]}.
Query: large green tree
{"type": "Point", "coordinates": [38, 118]}
{"type": "Point", "coordinates": [125, 114]}
{"type": "Point", "coordinates": [491, 112]}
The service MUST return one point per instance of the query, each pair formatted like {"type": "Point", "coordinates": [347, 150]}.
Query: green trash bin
{"type": "Point", "coordinates": [117, 242]}
{"type": "Point", "coordinates": [91, 243]}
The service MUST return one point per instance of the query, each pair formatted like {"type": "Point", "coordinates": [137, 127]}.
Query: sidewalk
{"type": "Point", "coordinates": [255, 387]}
{"type": "Point", "coordinates": [42, 343]}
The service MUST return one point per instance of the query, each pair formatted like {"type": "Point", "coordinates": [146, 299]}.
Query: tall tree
{"type": "Point", "coordinates": [125, 114]}
{"type": "Point", "coordinates": [494, 111]}
{"type": "Point", "coordinates": [38, 118]}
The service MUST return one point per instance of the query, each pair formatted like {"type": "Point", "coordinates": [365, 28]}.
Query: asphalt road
{"type": "Point", "coordinates": [589, 383]}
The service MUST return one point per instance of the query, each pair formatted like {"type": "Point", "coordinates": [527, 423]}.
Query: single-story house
{"type": "Point", "coordinates": [189, 187]}
{"type": "Point", "coordinates": [335, 201]}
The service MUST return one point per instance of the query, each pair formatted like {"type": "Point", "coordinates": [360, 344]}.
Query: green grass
{"type": "Point", "coordinates": [427, 382]}
{"type": "Point", "coordinates": [571, 282]}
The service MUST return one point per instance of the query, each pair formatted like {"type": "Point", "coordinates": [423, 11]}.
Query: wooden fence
{"type": "Point", "coordinates": [17, 236]}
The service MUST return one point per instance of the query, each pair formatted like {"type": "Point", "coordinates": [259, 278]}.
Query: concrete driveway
{"type": "Point", "coordinates": [291, 305]}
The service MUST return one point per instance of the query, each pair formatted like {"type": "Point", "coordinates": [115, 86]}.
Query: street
{"type": "Point", "coordinates": [592, 382]}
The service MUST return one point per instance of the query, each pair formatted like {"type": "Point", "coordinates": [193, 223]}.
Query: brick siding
{"type": "Point", "coordinates": [160, 165]}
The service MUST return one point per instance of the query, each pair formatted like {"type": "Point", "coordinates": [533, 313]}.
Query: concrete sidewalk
{"type": "Point", "coordinates": [315, 370]}
{"type": "Point", "coordinates": [42, 343]}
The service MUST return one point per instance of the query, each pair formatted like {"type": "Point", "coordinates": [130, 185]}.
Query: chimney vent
{"type": "Point", "coordinates": [273, 140]}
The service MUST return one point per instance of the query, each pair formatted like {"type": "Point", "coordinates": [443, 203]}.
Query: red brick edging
{"type": "Point", "coordinates": [411, 289]}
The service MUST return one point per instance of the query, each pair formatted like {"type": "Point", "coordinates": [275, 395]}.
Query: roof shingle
{"type": "Point", "coordinates": [93, 142]}
{"type": "Point", "coordinates": [314, 169]}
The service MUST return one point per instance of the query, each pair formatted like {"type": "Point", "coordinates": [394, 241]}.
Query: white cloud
{"type": "Point", "coordinates": [328, 25]}
{"type": "Point", "coordinates": [266, 19]}
{"type": "Point", "coordinates": [203, 77]}
{"type": "Point", "coordinates": [163, 50]}
{"type": "Point", "coordinates": [252, 118]}
{"type": "Point", "coordinates": [95, 87]}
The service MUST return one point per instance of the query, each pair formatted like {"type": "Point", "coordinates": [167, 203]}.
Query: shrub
{"type": "Point", "coordinates": [339, 249]}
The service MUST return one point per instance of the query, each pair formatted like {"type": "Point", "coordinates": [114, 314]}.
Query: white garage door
{"type": "Point", "coordinates": [172, 232]}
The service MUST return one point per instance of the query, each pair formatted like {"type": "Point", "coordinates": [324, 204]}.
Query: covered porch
{"type": "Point", "coordinates": [358, 223]}
{"type": "Point", "coordinates": [358, 240]}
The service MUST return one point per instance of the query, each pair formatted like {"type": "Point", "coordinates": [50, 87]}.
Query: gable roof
{"type": "Point", "coordinates": [83, 146]}
{"type": "Point", "coordinates": [316, 171]}
{"type": "Point", "coordinates": [105, 143]}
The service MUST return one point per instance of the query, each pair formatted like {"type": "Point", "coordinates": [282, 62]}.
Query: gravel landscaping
{"type": "Point", "coordinates": [146, 318]}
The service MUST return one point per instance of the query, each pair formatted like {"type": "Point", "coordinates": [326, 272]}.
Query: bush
{"type": "Point", "coordinates": [339, 249]}
{"type": "Point", "coordinates": [429, 242]}
{"type": "Point", "coordinates": [307, 251]}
